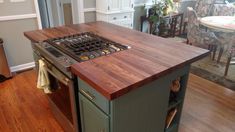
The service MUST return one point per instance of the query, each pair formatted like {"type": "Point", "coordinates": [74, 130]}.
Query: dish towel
{"type": "Point", "coordinates": [43, 79]}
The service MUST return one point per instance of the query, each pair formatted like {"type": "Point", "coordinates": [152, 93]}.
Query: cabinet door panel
{"type": "Point", "coordinates": [92, 118]}
{"type": "Point", "coordinates": [127, 24]}
{"type": "Point", "coordinates": [114, 5]}
{"type": "Point", "coordinates": [126, 4]}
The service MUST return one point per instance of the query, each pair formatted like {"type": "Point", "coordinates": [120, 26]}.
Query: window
{"type": "Point", "coordinates": [231, 1]}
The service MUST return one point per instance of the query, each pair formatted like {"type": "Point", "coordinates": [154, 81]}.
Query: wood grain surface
{"type": "Point", "coordinates": [24, 108]}
{"type": "Point", "coordinates": [208, 107]}
{"type": "Point", "coordinates": [149, 58]}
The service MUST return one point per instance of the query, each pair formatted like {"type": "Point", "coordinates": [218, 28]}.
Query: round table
{"type": "Point", "coordinates": [220, 23]}
{"type": "Point", "coordinates": [223, 24]}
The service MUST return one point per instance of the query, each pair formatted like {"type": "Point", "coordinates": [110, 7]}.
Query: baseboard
{"type": "Point", "coordinates": [22, 67]}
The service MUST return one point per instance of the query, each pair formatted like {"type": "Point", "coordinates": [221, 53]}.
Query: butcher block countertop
{"type": "Point", "coordinates": [114, 75]}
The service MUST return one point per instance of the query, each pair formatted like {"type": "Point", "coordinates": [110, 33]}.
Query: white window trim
{"type": "Point", "coordinates": [17, 17]}
{"type": "Point", "coordinates": [38, 14]}
{"type": "Point", "coordinates": [81, 17]}
{"type": "Point", "coordinates": [77, 7]}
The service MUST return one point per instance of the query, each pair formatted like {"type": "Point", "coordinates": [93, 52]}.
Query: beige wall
{"type": "Point", "coordinates": [139, 11]}
{"type": "Point", "coordinates": [17, 8]}
{"type": "Point", "coordinates": [17, 47]}
{"type": "Point", "coordinates": [90, 16]}
{"type": "Point", "coordinates": [89, 3]}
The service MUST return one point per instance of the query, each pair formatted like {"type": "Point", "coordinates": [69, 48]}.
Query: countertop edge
{"type": "Point", "coordinates": [119, 93]}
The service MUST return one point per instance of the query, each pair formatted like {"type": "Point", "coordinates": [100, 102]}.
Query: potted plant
{"type": "Point", "coordinates": [158, 10]}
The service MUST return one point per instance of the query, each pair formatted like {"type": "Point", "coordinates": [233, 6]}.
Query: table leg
{"type": "Point", "coordinates": [175, 23]}
{"type": "Point", "coordinates": [227, 66]}
{"type": "Point", "coordinates": [214, 51]}
{"type": "Point", "coordinates": [185, 24]}
{"type": "Point", "coordinates": [220, 54]}
{"type": "Point", "coordinates": [171, 27]}
{"type": "Point", "coordinates": [181, 23]}
{"type": "Point", "coordinates": [141, 24]}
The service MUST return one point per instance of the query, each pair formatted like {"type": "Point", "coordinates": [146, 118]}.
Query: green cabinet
{"type": "Point", "coordinates": [142, 110]}
{"type": "Point", "coordinates": [92, 118]}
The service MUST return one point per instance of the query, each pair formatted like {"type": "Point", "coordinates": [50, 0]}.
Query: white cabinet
{"type": "Point", "coordinates": [114, 5]}
{"type": "Point", "coordinates": [127, 4]}
{"type": "Point", "coordinates": [119, 12]}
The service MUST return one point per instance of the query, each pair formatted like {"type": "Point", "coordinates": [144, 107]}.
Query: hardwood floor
{"type": "Point", "coordinates": [23, 108]}
{"type": "Point", "coordinates": [208, 107]}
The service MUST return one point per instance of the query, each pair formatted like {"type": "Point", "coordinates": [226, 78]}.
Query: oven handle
{"type": "Point", "coordinates": [64, 80]}
{"type": "Point", "coordinates": [58, 75]}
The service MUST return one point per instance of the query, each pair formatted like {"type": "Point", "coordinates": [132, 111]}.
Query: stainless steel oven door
{"type": "Point", "coordinates": [62, 99]}
{"type": "Point", "coordinates": [59, 76]}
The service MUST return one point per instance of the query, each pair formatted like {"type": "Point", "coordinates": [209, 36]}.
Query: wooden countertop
{"type": "Point", "coordinates": [149, 58]}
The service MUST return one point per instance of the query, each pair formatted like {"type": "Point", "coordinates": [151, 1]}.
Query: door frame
{"type": "Point", "coordinates": [60, 11]}
{"type": "Point", "coordinates": [38, 14]}
{"type": "Point", "coordinates": [77, 12]}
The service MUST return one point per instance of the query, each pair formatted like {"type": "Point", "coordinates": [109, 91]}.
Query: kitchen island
{"type": "Point", "coordinates": [131, 90]}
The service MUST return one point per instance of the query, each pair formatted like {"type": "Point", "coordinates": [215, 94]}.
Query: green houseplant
{"type": "Point", "coordinates": [158, 10]}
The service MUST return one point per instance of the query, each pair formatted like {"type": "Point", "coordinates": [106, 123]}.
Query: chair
{"type": "Point", "coordinates": [231, 54]}
{"type": "Point", "coordinates": [204, 7]}
{"type": "Point", "coordinates": [212, 8]}
{"type": "Point", "coordinates": [227, 40]}
{"type": "Point", "coordinates": [223, 10]}
{"type": "Point", "coordinates": [183, 8]}
{"type": "Point", "coordinates": [199, 37]}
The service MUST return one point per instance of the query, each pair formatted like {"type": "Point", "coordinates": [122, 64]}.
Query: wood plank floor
{"type": "Point", "coordinates": [23, 108]}
{"type": "Point", "coordinates": [208, 107]}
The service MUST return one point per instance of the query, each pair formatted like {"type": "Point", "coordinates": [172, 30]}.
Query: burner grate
{"type": "Point", "coordinates": [86, 46]}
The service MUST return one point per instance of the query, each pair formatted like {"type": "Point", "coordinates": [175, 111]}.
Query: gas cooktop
{"type": "Point", "coordinates": [86, 46]}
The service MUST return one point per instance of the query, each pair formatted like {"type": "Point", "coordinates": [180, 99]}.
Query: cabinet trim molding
{"type": "Point", "coordinates": [139, 4]}
{"type": "Point", "coordinates": [114, 12]}
{"type": "Point", "coordinates": [89, 9]}
{"type": "Point", "coordinates": [17, 17]}
{"type": "Point", "coordinates": [142, 4]}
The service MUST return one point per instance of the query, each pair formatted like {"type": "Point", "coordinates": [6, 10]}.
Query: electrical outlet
{"type": "Point", "coordinates": [1, 1]}
{"type": "Point", "coordinates": [17, 0]}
